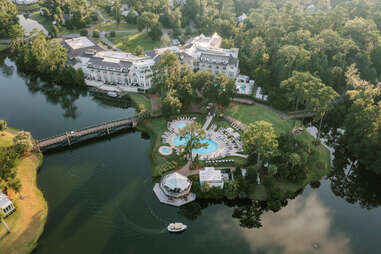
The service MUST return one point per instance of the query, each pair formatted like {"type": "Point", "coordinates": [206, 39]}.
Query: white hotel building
{"type": "Point", "coordinates": [132, 73]}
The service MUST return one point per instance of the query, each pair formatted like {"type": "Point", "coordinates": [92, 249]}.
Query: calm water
{"type": "Point", "coordinates": [101, 201]}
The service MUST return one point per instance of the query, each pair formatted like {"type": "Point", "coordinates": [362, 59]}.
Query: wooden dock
{"type": "Point", "coordinates": [75, 136]}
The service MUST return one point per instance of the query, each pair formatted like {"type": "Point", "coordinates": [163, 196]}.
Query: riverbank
{"type": "Point", "coordinates": [28, 221]}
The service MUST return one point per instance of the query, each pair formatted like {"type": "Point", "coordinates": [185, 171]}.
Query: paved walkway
{"type": "Point", "coordinates": [186, 171]}
{"type": "Point", "coordinates": [209, 119]}
{"type": "Point", "coordinates": [240, 125]}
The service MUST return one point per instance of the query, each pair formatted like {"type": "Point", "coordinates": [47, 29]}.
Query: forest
{"type": "Point", "coordinates": [332, 48]}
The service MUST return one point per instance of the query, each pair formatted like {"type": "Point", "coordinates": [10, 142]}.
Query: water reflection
{"type": "Point", "coordinates": [303, 226]}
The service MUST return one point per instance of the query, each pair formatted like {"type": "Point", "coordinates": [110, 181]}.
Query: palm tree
{"type": "Point", "coordinates": [192, 133]}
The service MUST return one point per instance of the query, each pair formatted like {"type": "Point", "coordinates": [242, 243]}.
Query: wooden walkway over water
{"type": "Point", "coordinates": [75, 136]}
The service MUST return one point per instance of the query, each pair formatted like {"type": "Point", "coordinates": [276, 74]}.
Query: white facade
{"type": "Point", "coordinates": [244, 85]}
{"type": "Point", "coordinates": [242, 18]}
{"type": "Point", "coordinates": [128, 71]}
{"type": "Point", "coordinates": [211, 177]}
{"type": "Point", "coordinates": [26, 2]}
{"type": "Point", "coordinates": [6, 206]}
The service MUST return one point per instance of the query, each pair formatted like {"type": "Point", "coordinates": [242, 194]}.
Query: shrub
{"type": "Point", "coordinates": [23, 142]}
{"type": "Point", "coordinates": [83, 32]}
{"type": "Point", "coordinates": [96, 33]}
{"type": "Point", "coordinates": [3, 125]}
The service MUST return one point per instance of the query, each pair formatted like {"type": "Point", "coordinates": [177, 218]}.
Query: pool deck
{"type": "Point", "coordinates": [175, 202]}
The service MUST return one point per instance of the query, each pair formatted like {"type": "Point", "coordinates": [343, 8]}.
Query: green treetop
{"type": "Point", "coordinates": [260, 139]}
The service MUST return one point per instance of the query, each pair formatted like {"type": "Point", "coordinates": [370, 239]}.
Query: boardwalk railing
{"type": "Point", "coordinates": [105, 128]}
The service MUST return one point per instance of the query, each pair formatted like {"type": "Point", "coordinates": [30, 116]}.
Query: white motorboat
{"type": "Point", "coordinates": [176, 227]}
{"type": "Point", "coordinates": [112, 94]}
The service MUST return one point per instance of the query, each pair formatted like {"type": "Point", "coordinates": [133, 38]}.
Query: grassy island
{"type": "Point", "coordinates": [28, 221]}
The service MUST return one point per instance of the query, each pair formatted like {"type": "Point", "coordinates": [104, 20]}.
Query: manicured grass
{"type": "Point", "coordinates": [3, 47]}
{"type": "Point", "coordinates": [318, 163]}
{"type": "Point", "coordinates": [28, 221]}
{"type": "Point", "coordinates": [6, 138]}
{"type": "Point", "coordinates": [249, 114]}
{"type": "Point", "coordinates": [48, 24]}
{"type": "Point", "coordinates": [155, 128]}
{"type": "Point", "coordinates": [134, 40]}
{"type": "Point", "coordinates": [112, 26]}
{"type": "Point", "coordinates": [42, 20]}
{"type": "Point", "coordinates": [141, 99]}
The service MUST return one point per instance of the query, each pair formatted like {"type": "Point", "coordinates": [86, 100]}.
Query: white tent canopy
{"type": "Point", "coordinates": [176, 181]}
{"type": "Point", "coordinates": [210, 175]}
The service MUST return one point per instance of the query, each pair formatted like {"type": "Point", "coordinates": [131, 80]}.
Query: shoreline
{"type": "Point", "coordinates": [28, 222]}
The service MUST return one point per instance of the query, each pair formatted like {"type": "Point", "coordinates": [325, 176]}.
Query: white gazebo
{"type": "Point", "coordinates": [6, 206]}
{"type": "Point", "coordinates": [211, 177]}
{"type": "Point", "coordinates": [174, 189]}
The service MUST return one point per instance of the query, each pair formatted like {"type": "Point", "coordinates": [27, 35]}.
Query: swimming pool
{"type": "Point", "coordinates": [165, 150]}
{"type": "Point", "coordinates": [180, 125]}
{"type": "Point", "coordinates": [243, 89]}
{"type": "Point", "coordinates": [211, 148]}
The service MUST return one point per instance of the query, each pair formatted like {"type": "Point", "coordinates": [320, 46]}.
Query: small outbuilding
{"type": "Point", "coordinates": [242, 18]}
{"type": "Point", "coordinates": [6, 206]}
{"type": "Point", "coordinates": [211, 177]}
{"type": "Point", "coordinates": [174, 189]}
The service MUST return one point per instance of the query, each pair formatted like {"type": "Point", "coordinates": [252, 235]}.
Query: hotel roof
{"type": "Point", "coordinates": [79, 43]}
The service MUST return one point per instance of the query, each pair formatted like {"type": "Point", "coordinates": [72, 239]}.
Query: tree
{"type": "Point", "coordinates": [147, 21]}
{"type": "Point", "coordinates": [139, 51]}
{"type": "Point", "coordinates": [260, 139]}
{"type": "Point", "coordinates": [363, 121]}
{"type": "Point", "coordinates": [3, 125]}
{"type": "Point", "coordinates": [96, 33]}
{"type": "Point", "coordinates": [171, 104]}
{"type": "Point", "coordinates": [143, 113]}
{"type": "Point", "coordinates": [116, 11]}
{"type": "Point", "coordinates": [322, 101]}
{"type": "Point", "coordinates": [165, 40]}
{"type": "Point", "coordinates": [8, 17]}
{"type": "Point", "coordinates": [8, 172]}
{"type": "Point", "coordinates": [192, 133]}
{"type": "Point", "coordinates": [300, 88]}
{"type": "Point", "coordinates": [155, 32]}
{"type": "Point", "coordinates": [220, 90]}
{"type": "Point", "coordinates": [23, 142]}
{"type": "Point", "coordinates": [83, 32]}
{"type": "Point", "coordinates": [132, 16]}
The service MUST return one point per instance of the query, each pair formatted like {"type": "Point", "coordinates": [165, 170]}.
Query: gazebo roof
{"type": "Point", "coordinates": [176, 181]}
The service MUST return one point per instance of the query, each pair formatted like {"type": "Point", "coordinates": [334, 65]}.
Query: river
{"type": "Point", "coordinates": [101, 201]}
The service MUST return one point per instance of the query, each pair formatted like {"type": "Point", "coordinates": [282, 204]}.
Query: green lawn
{"type": "Point", "coordinates": [3, 47]}
{"type": "Point", "coordinates": [319, 162]}
{"type": "Point", "coordinates": [112, 26]}
{"type": "Point", "coordinates": [141, 99]}
{"type": "Point", "coordinates": [42, 20]}
{"type": "Point", "coordinates": [134, 40]}
{"type": "Point", "coordinates": [249, 114]}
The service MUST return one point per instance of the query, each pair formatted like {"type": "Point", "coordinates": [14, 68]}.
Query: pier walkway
{"type": "Point", "coordinates": [75, 136]}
